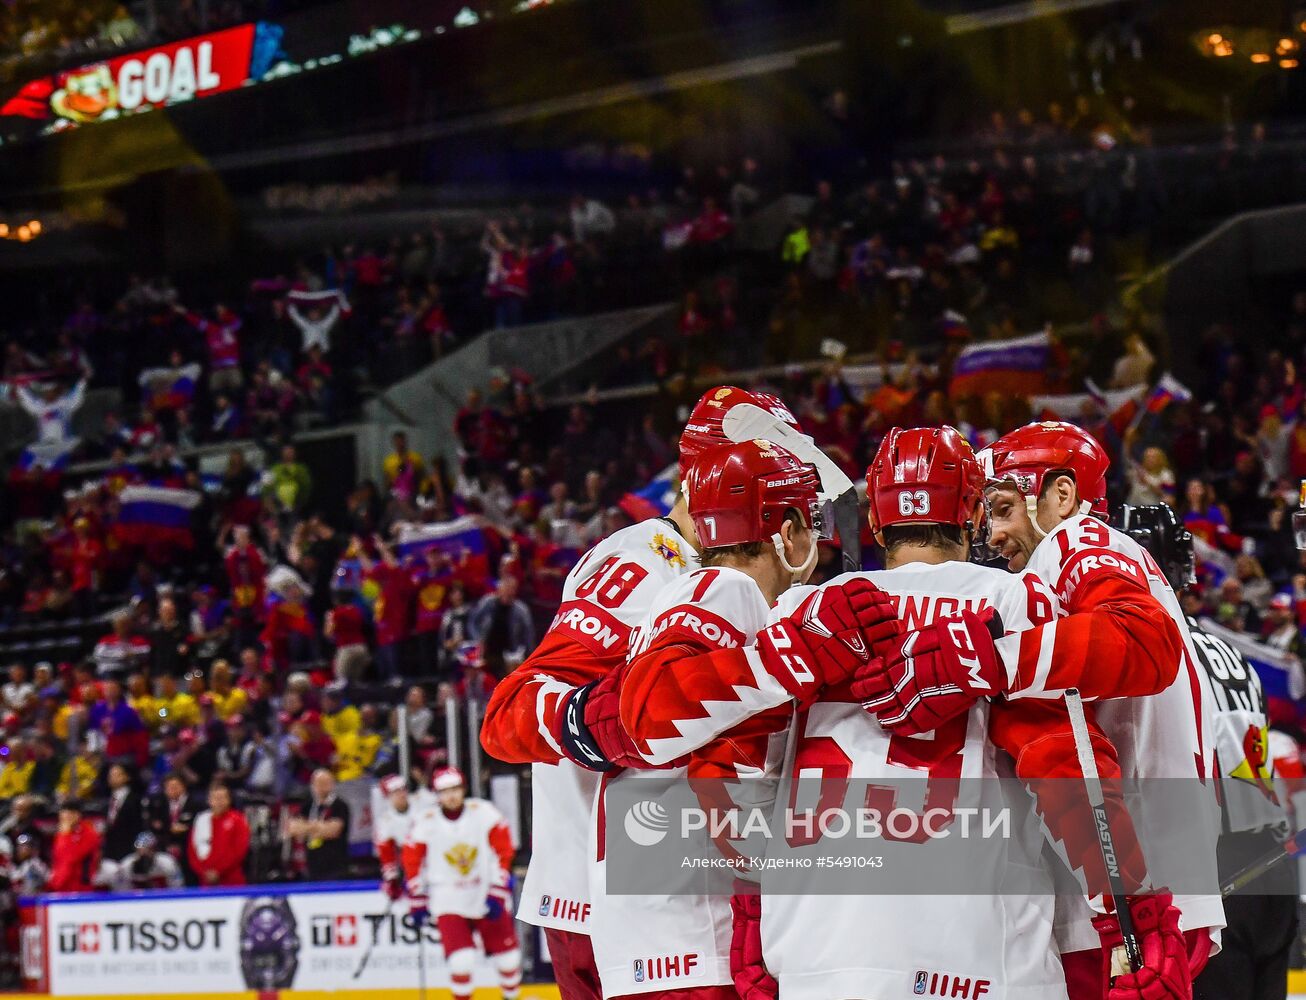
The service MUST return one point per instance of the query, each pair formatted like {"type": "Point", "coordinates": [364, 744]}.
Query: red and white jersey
{"type": "Point", "coordinates": [390, 829]}
{"type": "Point", "coordinates": [455, 861]}
{"type": "Point", "coordinates": [651, 944]}
{"type": "Point", "coordinates": [823, 946]}
{"type": "Point", "coordinates": [1093, 570]}
{"type": "Point", "coordinates": [605, 596]}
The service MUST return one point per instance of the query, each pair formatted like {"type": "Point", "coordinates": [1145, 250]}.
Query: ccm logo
{"type": "Point", "coordinates": [966, 654]}
{"type": "Point", "coordinates": [797, 665]}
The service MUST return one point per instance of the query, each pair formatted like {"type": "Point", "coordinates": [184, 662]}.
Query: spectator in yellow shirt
{"type": "Point", "coordinates": [356, 749]}
{"type": "Point", "coordinates": [16, 771]}
{"type": "Point", "coordinates": [139, 698]}
{"type": "Point", "coordinates": [79, 774]}
{"type": "Point", "coordinates": [401, 459]}
{"type": "Point", "coordinates": [176, 708]}
{"type": "Point", "coordinates": [228, 700]}
{"type": "Point", "coordinates": [337, 717]}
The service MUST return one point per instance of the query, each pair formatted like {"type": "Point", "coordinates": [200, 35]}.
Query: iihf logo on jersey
{"type": "Point", "coordinates": [647, 823]}
{"type": "Point", "coordinates": [544, 905]}
{"type": "Point", "coordinates": [639, 970]}
{"type": "Point", "coordinates": [945, 984]}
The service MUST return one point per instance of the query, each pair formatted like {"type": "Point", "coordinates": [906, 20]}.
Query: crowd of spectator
{"type": "Point", "coordinates": [250, 658]}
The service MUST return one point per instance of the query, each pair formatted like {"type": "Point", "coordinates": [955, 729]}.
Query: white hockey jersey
{"type": "Point", "coordinates": [605, 596]}
{"type": "Point", "coordinates": [649, 944]}
{"type": "Point", "coordinates": [1167, 735]}
{"type": "Point", "coordinates": [999, 946]}
{"type": "Point", "coordinates": [455, 862]}
{"type": "Point", "coordinates": [391, 828]}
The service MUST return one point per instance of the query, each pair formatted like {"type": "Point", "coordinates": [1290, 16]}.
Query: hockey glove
{"type": "Point", "coordinates": [747, 969]}
{"type": "Point", "coordinates": [392, 882]}
{"type": "Point", "coordinates": [419, 913]}
{"type": "Point", "coordinates": [587, 726]}
{"type": "Point", "coordinates": [1164, 974]}
{"type": "Point", "coordinates": [922, 679]}
{"type": "Point", "coordinates": [500, 897]}
{"type": "Point", "coordinates": [828, 638]}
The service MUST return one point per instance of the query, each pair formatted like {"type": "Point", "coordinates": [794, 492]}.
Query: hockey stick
{"type": "Point", "coordinates": [376, 929]}
{"type": "Point", "coordinates": [1293, 847]}
{"type": "Point", "coordinates": [847, 509]}
{"type": "Point", "coordinates": [421, 962]}
{"type": "Point", "coordinates": [1093, 786]}
{"type": "Point", "coordinates": [748, 421]}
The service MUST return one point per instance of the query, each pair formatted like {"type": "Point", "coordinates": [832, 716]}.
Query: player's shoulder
{"type": "Point", "coordinates": [655, 545]}
{"type": "Point", "coordinates": [717, 605]}
{"type": "Point", "coordinates": [1082, 544]}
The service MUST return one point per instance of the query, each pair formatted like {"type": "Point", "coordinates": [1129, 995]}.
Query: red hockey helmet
{"type": "Point", "coordinates": [703, 429]}
{"type": "Point", "coordinates": [924, 475]}
{"type": "Point", "coordinates": [739, 493]}
{"type": "Point", "coordinates": [446, 778]}
{"type": "Point", "coordinates": [1024, 457]}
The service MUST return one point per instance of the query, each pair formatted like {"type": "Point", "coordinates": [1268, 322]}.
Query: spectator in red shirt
{"type": "Point", "coordinates": [219, 841]}
{"type": "Point", "coordinates": [392, 611]}
{"type": "Point", "coordinates": [289, 636]}
{"type": "Point", "coordinates": [87, 557]}
{"type": "Point", "coordinates": [76, 854]}
{"type": "Point", "coordinates": [344, 628]}
{"type": "Point", "coordinates": [246, 570]}
{"type": "Point", "coordinates": [431, 579]}
{"type": "Point", "coordinates": [712, 225]}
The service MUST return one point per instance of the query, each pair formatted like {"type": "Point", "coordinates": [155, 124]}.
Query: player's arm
{"type": "Point", "coordinates": [524, 709]}
{"type": "Point", "coordinates": [1037, 735]}
{"type": "Point", "coordinates": [1116, 641]}
{"type": "Point", "coordinates": [590, 636]}
{"type": "Point", "coordinates": [676, 697]}
{"type": "Point", "coordinates": [413, 855]}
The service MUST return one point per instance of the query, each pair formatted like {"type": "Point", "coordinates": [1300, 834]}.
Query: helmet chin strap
{"type": "Point", "coordinates": [1031, 505]}
{"type": "Point", "coordinates": [796, 572]}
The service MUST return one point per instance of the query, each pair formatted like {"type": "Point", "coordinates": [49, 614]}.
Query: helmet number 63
{"type": "Point", "coordinates": [913, 502]}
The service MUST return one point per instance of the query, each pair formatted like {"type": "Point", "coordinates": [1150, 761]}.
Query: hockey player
{"type": "Point", "coordinates": [458, 860]}
{"type": "Point", "coordinates": [1121, 634]}
{"type": "Point", "coordinates": [604, 597]}
{"type": "Point", "coordinates": [925, 489]}
{"type": "Point", "coordinates": [1262, 918]}
{"type": "Point", "coordinates": [393, 824]}
{"type": "Point", "coordinates": [145, 868]}
{"type": "Point", "coordinates": [758, 513]}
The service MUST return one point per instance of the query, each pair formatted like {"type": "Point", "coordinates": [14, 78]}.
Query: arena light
{"type": "Point", "coordinates": [4, 230]}
{"type": "Point", "coordinates": [1260, 57]}
{"type": "Point", "coordinates": [35, 227]}
{"type": "Point", "coordinates": [24, 233]}
{"type": "Point", "coordinates": [1284, 46]}
{"type": "Point", "coordinates": [1287, 63]}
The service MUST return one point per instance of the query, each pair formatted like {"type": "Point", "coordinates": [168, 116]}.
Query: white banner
{"type": "Point", "coordinates": [218, 941]}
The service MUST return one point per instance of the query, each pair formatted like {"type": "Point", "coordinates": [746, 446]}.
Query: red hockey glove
{"type": "Point", "coordinates": [588, 727]}
{"type": "Point", "coordinates": [1165, 974]}
{"type": "Point", "coordinates": [392, 882]}
{"type": "Point", "coordinates": [924, 678]}
{"type": "Point", "coordinates": [829, 637]}
{"type": "Point", "coordinates": [747, 969]}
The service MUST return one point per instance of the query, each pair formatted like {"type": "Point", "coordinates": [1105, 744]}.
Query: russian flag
{"type": "Point", "coordinates": [462, 539]}
{"type": "Point", "coordinates": [1012, 367]}
{"type": "Point", "coordinates": [1168, 390]}
{"type": "Point", "coordinates": [153, 514]}
{"type": "Point", "coordinates": [654, 500]}
{"type": "Point", "coordinates": [1280, 672]}
{"type": "Point", "coordinates": [170, 388]}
